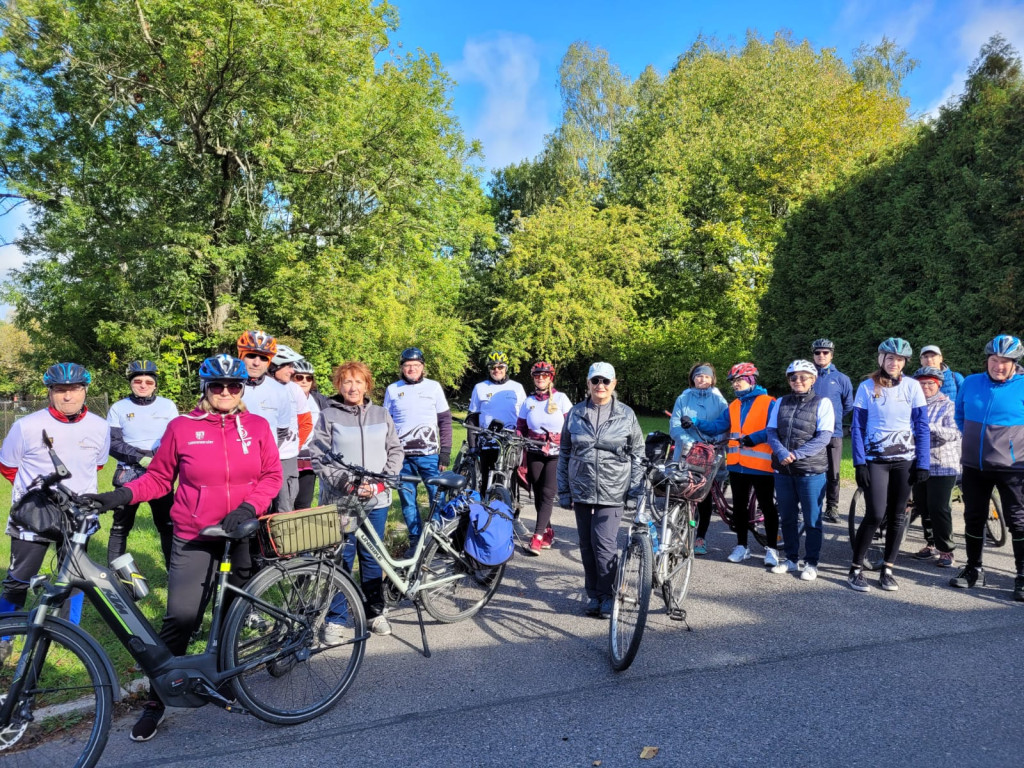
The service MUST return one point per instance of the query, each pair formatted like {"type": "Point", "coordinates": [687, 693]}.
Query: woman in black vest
{"type": "Point", "coordinates": [799, 431]}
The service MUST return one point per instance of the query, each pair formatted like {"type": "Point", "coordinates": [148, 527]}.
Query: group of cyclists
{"type": "Point", "coordinates": [254, 443]}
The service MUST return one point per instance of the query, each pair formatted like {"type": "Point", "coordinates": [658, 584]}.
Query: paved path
{"type": "Point", "coordinates": [775, 672]}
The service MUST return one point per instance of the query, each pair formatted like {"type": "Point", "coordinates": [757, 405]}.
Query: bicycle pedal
{"type": "Point", "coordinates": [677, 615]}
{"type": "Point", "coordinates": [234, 709]}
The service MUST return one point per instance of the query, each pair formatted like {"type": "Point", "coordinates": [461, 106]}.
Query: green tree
{"type": "Point", "coordinates": [198, 166]}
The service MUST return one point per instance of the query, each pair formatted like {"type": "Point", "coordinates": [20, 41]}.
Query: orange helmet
{"type": "Point", "coordinates": [257, 341]}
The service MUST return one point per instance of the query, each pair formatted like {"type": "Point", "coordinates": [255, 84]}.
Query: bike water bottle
{"type": "Point", "coordinates": [653, 530]}
{"type": "Point", "coordinates": [128, 573]}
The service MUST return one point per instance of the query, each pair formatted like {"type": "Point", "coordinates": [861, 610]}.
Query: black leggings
{"type": "Point", "coordinates": [124, 521]}
{"type": "Point", "coordinates": [764, 488]}
{"type": "Point", "coordinates": [704, 516]}
{"type": "Point", "coordinates": [978, 487]}
{"type": "Point", "coordinates": [542, 474]}
{"type": "Point", "coordinates": [307, 483]}
{"type": "Point", "coordinates": [885, 497]}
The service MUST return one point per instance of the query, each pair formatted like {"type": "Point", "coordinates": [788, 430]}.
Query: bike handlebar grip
{"type": "Point", "coordinates": [410, 478]}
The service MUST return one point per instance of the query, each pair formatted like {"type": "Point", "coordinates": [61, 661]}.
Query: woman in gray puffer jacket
{"type": "Point", "coordinates": [597, 477]}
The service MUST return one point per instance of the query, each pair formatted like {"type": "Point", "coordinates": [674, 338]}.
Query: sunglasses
{"type": "Point", "coordinates": [218, 387]}
{"type": "Point", "coordinates": [822, 352]}
{"type": "Point", "coordinates": [255, 356]}
{"type": "Point", "coordinates": [302, 377]}
{"type": "Point", "coordinates": [542, 375]}
{"type": "Point", "coordinates": [600, 380]}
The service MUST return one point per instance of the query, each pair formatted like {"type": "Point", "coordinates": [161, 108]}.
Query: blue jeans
{"type": "Point", "coordinates": [426, 467]}
{"type": "Point", "coordinates": [793, 495]}
{"type": "Point", "coordinates": [370, 573]}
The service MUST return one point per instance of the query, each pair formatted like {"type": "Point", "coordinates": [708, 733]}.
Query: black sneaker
{"type": "Point", "coordinates": [887, 581]}
{"type": "Point", "coordinates": [857, 581]}
{"type": "Point", "coordinates": [593, 607]}
{"type": "Point", "coordinates": [152, 716]}
{"type": "Point", "coordinates": [831, 514]}
{"type": "Point", "coordinates": [968, 577]}
{"type": "Point", "coordinates": [1018, 588]}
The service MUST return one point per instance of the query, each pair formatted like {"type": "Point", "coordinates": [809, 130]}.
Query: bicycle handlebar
{"type": "Point", "coordinates": [392, 481]}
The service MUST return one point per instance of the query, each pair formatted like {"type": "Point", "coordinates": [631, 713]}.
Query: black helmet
{"type": "Point", "coordinates": [411, 354]}
{"type": "Point", "coordinates": [822, 344]}
{"type": "Point", "coordinates": [141, 368]}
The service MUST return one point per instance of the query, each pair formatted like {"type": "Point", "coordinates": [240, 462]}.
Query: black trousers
{"type": "Point", "coordinates": [835, 458]}
{"type": "Point", "coordinates": [931, 499]}
{"type": "Point", "coordinates": [124, 521]}
{"type": "Point", "coordinates": [977, 486]}
{"type": "Point", "coordinates": [598, 529]}
{"type": "Point", "coordinates": [763, 487]}
{"type": "Point", "coordinates": [307, 484]}
{"type": "Point", "coordinates": [885, 497]}
{"type": "Point", "coordinates": [541, 473]}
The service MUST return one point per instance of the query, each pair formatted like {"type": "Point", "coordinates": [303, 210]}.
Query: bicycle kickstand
{"type": "Point", "coordinates": [423, 629]}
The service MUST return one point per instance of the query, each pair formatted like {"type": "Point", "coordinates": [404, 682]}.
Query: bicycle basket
{"type": "Point", "coordinates": [38, 513]}
{"type": "Point", "coordinates": [307, 530]}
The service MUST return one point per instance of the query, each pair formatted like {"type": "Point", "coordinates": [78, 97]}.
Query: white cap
{"type": "Point", "coordinates": [931, 348]}
{"type": "Point", "coordinates": [602, 369]}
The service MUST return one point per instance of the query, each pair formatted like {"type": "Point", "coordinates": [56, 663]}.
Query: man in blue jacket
{"type": "Point", "coordinates": [990, 414]}
{"type": "Point", "coordinates": [837, 388]}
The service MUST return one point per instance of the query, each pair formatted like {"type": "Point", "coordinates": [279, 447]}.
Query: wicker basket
{"type": "Point", "coordinates": [307, 530]}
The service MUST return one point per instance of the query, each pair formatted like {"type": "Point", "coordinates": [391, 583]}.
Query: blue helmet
{"type": "Point", "coordinates": [222, 368]}
{"type": "Point", "coordinates": [896, 346]}
{"type": "Point", "coordinates": [66, 373]}
{"type": "Point", "coordinates": [141, 368]}
{"type": "Point", "coordinates": [1005, 345]}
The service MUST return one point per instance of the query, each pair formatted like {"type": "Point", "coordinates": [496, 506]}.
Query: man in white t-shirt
{"type": "Point", "coordinates": [423, 421]}
{"type": "Point", "coordinates": [282, 366]}
{"type": "Point", "coordinates": [82, 441]}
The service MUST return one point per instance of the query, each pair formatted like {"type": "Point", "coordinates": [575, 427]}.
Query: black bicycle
{"type": "Point", "coordinates": [267, 647]}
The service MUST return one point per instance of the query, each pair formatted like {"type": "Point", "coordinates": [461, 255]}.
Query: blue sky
{"type": "Point", "coordinates": [504, 56]}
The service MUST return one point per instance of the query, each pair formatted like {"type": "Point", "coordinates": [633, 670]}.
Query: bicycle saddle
{"type": "Point", "coordinates": [244, 531]}
{"type": "Point", "coordinates": [452, 480]}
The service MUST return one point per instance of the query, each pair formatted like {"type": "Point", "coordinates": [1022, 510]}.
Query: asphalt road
{"type": "Point", "coordinates": [774, 672]}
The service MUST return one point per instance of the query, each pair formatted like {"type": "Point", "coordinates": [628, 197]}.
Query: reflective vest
{"type": "Point", "coordinates": [758, 457]}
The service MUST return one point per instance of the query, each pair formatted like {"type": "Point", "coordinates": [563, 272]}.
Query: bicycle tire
{"type": "Point", "coordinates": [468, 465]}
{"type": "Point", "coordinates": [631, 600]}
{"type": "Point", "coordinates": [72, 671]}
{"type": "Point", "coordinates": [307, 682]}
{"type": "Point", "coordinates": [756, 525]}
{"type": "Point", "coordinates": [456, 599]}
{"type": "Point", "coordinates": [858, 506]}
{"type": "Point", "coordinates": [995, 524]}
{"type": "Point", "coordinates": [679, 560]}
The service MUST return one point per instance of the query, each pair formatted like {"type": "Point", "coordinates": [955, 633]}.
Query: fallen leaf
{"type": "Point", "coordinates": [596, 762]}
{"type": "Point", "coordinates": [648, 752]}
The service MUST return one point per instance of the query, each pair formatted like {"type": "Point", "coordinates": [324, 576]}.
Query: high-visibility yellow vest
{"type": "Point", "coordinates": [759, 456]}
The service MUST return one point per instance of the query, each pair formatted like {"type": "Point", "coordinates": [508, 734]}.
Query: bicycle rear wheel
{"type": "Point", "coordinates": [995, 525]}
{"type": "Point", "coordinates": [631, 600]}
{"type": "Point", "coordinates": [310, 642]}
{"type": "Point", "coordinates": [456, 587]}
{"type": "Point", "coordinates": [69, 698]}
{"type": "Point", "coordinates": [677, 560]}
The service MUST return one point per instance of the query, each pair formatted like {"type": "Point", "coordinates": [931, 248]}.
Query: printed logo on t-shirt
{"type": "Point", "coordinates": [199, 435]}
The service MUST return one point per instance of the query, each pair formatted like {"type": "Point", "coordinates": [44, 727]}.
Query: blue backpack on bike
{"type": "Point", "coordinates": [489, 534]}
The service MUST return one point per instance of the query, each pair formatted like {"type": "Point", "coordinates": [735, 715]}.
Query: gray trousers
{"type": "Point", "coordinates": [285, 501]}
{"type": "Point", "coordinates": [598, 528]}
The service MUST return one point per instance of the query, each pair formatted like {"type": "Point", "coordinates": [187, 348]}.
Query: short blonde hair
{"type": "Point", "coordinates": [353, 368]}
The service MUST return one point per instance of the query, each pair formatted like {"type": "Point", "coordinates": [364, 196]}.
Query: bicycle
{"type": "Point", "coordinates": [658, 554]}
{"type": "Point", "coordinates": [438, 575]}
{"type": "Point", "coordinates": [265, 648]}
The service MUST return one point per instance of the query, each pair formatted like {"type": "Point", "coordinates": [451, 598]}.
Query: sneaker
{"type": "Point", "coordinates": [606, 608]}
{"type": "Point", "coordinates": [1018, 588]}
{"type": "Point", "coordinates": [857, 581]}
{"type": "Point", "coordinates": [700, 547]}
{"type": "Point", "coordinates": [887, 581]}
{"type": "Point", "coordinates": [152, 716]}
{"type": "Point", "coordinates": [520, 528]}
{"type": "Point", "coordinates": [593, 607]}
{"type": "Point", "coordinates": [968, 577]}
{"type": "Point", "coordinates": [831, 514]}
{"type": "Point", "coordinates": [926, 553]}
{"type": "Point", "coordinates": [5, 650]}
{"type": "Point", "coordinates": [771, 557]}
{"type": "Point", "coordinates": [739, 553]}
{"type": "Point", "coordinates": [946, 560]}
{"type": "Point", "coordinates": [549, 538]}
{"type": "Point", "coordinates": [332, 634]}
{"type": "Point", "coordinates": [786, 567]}
{"type": "Point", "coordinates": [379, 625]}
{"type": "Point", "coordinates": [809, 573]}
{"type": "Point", "coordinates": [536, 545]}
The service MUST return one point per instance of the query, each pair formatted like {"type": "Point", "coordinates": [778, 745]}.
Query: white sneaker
{"type": "Point", "coordinates": [379, 625]}
{"type": "Point", "coordinates": [787, 567]}
{"type": "Point", "coordinates": [332, 634]}
{"type": "Point", "coordinates": [739, 553]}
{"type": "Point", "coordinates": [771, 557]}
{"type": "Point", "coordinates": [810, 573]}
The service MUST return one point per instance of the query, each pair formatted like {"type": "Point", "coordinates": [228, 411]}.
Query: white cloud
{"type": "Point", "coordinates": [512, 119]}
{"type": "Point", "coordinates": [982, 21]}
{"type": "Point", "coordinates": [879, 19]}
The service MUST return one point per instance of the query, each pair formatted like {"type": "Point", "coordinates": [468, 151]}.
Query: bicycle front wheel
{"type": "Point", "coordinates": [468, 465]}
{"type": "Point", "coordinates": [677, 560]}
{"type": "Point", "coordinates": [995, 525]}
{"type": "Point", "coordinates": [454, 586]}
{"type": "Point", "coordinates": [308, 641]}
{"type": "Point", "coordinates": [631, 600]}
{"type": "Point", "coordinates": [64, 706]}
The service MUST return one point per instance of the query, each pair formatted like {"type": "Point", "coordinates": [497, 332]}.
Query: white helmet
{"type": "Point", "coordinates": [285, 355]}
{"type": "Point", "coordinates": [802, 366]}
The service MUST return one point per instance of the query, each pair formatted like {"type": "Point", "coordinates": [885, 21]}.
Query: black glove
{"type": "Point", "coordinates": [104, 502]}
{"type": "Point", "coordinates": [918, 475]}
{"type": "Point", "coordinates": [444, 459]}
{"type": "Point", "coordinates": [747, 441]}
{"type": "Point", "coordinates": [863, 477]}
{"type": "Point", "coordinates": [686, 422]}
{"type": "Point", "coordinates": [237, 516]}
{"type": "Point", "coordinates": [630, 505]}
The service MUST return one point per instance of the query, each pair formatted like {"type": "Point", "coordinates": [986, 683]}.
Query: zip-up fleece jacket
{"type": "Point", "coordinates": [219, 461]}
{"type": "Point", "coordinates": [707, 404]}
{"type": "Point", "coordinates": [364, 435]}
{"type": "Point", "coordinates": [604, 476]}
{"type": "Point", "coordinates": [990, 415]}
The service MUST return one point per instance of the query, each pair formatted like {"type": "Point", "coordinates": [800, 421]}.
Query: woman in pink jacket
{"type": "Point", "coordinates": [228, 471]}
